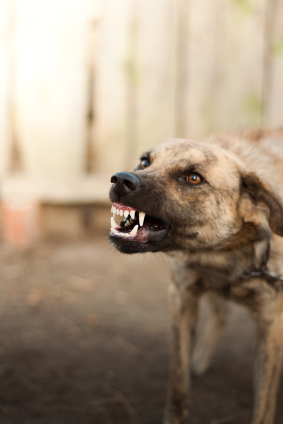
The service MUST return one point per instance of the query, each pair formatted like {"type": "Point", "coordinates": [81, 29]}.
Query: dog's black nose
{"type": "Point", "coordinates": [124, 183]}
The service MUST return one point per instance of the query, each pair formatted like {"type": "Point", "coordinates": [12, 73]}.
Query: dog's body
{"type": "Point", "coordinates": [215, 207]}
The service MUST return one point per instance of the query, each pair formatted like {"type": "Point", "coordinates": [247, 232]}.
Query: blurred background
{"type": "Point", "coordinates": [86, 86]}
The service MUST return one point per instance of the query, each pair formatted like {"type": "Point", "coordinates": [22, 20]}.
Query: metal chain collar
{"type": "Point", "coordinates": [276, 281]}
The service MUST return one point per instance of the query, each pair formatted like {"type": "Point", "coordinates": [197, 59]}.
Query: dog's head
{"type": "Point", "coordinates": [190, 195]}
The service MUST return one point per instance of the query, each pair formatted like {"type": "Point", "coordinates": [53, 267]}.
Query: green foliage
{"type": "Point", "coordinates": [253, 105]}
{"type": "Point", "coordinates": [244, 6]}
{"type": "Point", "coordinates": [277, 47]}
{"type": "Point", "coordinates": [131, 70]}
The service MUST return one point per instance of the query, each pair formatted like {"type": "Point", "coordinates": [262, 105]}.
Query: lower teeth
{"type": "Point", "coordinates": [120, 234]}
{"type": "Point", "coordinates": [133, 233]}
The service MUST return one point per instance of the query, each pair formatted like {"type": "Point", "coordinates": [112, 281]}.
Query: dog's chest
{"type": "Point", "coordinates": [221, 269]}
{"type": "Point", "coordinates": [250, 293]}
{"type": "Point", "coordinates": [221, 274]}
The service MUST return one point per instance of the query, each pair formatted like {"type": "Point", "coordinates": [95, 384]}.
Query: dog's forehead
{"type": "Point", "coordinates": [216, 163]}
{"type": "Point", "coordinates": [175, 150]}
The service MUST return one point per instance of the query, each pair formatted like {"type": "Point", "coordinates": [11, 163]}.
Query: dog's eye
{"type": "Point", "coordinates": [144, 164]}
{"type": "Point", "coordinates": [194, 179]}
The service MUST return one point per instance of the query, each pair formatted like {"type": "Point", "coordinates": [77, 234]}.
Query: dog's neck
{"type": "Point", "coordinates": [228, 265]}
{"type": "Point", "coordinates": [235, 258]}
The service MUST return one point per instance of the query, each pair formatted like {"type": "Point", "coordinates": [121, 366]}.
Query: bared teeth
{"type": "Point", "coordinates": [113, 223]}
{"type": "Point", "coordinates": [141, 218]}
{"type": "Point", "coordinates": [117, 233]}
{"type": "Point", "coordinates": [134, 231]}
{"type": "Point", "coordinates": [129, 216]}
{"type": "Point", "coordinates": [132, 213]}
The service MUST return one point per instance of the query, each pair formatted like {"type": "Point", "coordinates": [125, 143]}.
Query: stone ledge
{"type": "Point", "coordinates": [25, 220]}
{"type": "Point", "coordinates": [22, 189]}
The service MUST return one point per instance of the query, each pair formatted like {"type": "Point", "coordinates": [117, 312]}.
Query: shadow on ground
{"type": "Point", "coordinates": [83, 338]}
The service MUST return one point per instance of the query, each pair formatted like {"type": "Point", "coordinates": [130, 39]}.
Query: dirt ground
{"type": "Point", "coordinates": [83, 339]}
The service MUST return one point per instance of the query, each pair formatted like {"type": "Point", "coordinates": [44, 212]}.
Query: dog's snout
{"type": "Point", "coordinates": [125, 182]}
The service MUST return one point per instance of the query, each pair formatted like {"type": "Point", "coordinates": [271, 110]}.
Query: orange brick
{"type": "Point", "coordinates": [21, 223]}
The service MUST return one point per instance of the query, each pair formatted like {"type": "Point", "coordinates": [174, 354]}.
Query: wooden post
{"type": "Point", "coordinates": [51, 87]}
{"type": "Point", "coordinates": [50, 106]}
{"type": "Point", "coordinates": [226, 51]}
{"type": "Point", "coordinates": [273, 87]}
{"type": "Point", "coordinates": [4, 95]}
{"type": "Point", "coordinates": [110, 94]}
{"type": "Point", "coordinates": [135, 81]}
{"type": "Point", "coordinates": [239, 63]}
{"type": "Point", "coordinates": [156, 73]}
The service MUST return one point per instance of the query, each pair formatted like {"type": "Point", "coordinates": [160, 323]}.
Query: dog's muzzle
{"type": "Point", "coordinates": [132, 229]}
{"type": "Point", "coordinates": [124, 183]}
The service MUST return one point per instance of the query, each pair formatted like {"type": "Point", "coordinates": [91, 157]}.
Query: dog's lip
{"type": "Point", "coordinates": [124, 207]}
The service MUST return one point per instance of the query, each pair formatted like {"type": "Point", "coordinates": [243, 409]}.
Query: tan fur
{"type": "Point", "coordinates": [218, 230]}
{"type": "Point", "coordinates": [265, 304]}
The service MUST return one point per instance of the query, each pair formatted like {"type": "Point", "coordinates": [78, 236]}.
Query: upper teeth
{"type": "Point", "coordinates": [134, 231]}
{"type": "Point", "coordinates": [122, 212]}
{"type": "Point", "coordinates": [141, 218]}
{"type": "Point", "coordinates": [113, 223]}
{"type": "Point", "coordinates": [132, 213]}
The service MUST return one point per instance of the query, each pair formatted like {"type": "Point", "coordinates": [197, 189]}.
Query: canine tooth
{"type": "Point", "coordinates": [134, 231]}
{"type": "Point", "coordinates": [132, 213]}
{"type": "Point", "coordinates": [126, 213]}
{"type": "Point", "coordinates": [113, 223]}
{"type": "Point", "coordinates": [141, 218]}
{"type": "Point", "coordinates": [112, 209]}
{"type": "Point", "coordinates": [121, 213]}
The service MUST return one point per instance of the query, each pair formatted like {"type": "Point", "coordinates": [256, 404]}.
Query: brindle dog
{"type": "Point", "coordinates": [215, 208]}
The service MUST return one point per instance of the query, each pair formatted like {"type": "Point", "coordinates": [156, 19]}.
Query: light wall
{"type": "Point", "coordinates": [88, 85]}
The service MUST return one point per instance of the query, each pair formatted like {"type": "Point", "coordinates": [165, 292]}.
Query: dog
{"type": "Point", "coordinates": [215, 208]}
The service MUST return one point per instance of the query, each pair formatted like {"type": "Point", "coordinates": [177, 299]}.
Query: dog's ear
{"type": "Point", "coordinates": [260, 202]}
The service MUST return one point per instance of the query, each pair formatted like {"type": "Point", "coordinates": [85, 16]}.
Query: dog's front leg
{"type": "Point", "coordinates": [210, 333]}
{"type": "Point", "coordinates": [184, 306]}
{"type": "Point", "coordinates": [268, 361]}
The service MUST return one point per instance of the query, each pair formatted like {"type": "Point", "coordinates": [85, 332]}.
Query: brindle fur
{"type": "Point", "coordinates": [218, 230]}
